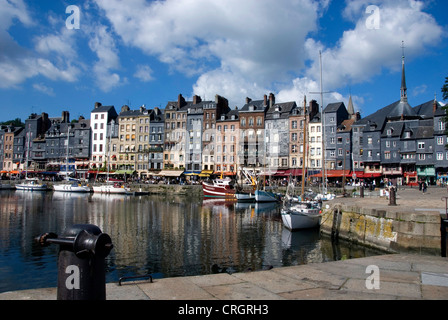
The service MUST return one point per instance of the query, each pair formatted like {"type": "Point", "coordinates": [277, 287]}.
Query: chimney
{"type": "Point", "coordinates": [196, 99]}
{"type": "Point", "coordinates": [97, 105]}
{"type": "Point", "coordinates": [265, 100]}
{"type": "Point", "coordinates": [65, 117]}
{"type": "Point", "coordinates": [434, 106]}
{"type": "Point", "coordinates": [248, 100]}
{"type": "Point", "coordinates": [180, 101]}
{"type": "Point", "coordinates": [271, 100]}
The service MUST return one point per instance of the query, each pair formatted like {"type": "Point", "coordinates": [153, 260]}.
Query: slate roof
{"type": "Point", "coordinates": [334, 107]}
{"type": "Point", "coordinates": [258, 106]}
{"type": "Point", "coordinates": [285, 109]}
{"type": "Point", "coordinates": [402, 108]}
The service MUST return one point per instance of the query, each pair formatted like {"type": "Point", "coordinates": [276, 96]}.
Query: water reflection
{"type": "Point", "coordinates": [166, 236]}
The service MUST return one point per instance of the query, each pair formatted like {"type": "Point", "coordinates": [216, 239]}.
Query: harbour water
{"type": "Point", "coordinates": [166, 236]}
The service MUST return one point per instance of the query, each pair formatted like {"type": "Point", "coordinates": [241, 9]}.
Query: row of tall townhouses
{"type": "Point", "coordinates": [398, 142]}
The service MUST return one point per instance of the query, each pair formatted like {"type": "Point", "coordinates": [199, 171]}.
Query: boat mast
{"type": "Point", "coordinates": [305, 148]}
{"type": "Point", "coordinates": [66, 156]}
{"type": "Point", "coordinates": [324, 173]}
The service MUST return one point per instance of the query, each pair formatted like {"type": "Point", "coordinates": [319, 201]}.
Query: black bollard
{"type": "Point", "coordinates": [443, 236]}
{"type": "Point", "coordinates": [81, 262]}
{"type": "Point", "coordinates": [392, 197]}
{"type": "Point", "coordinates": [361, 191]}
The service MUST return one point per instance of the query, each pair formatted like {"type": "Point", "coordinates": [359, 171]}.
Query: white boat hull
{"type": "Point", "coordinates": [31, 187]}
{"type": "Point", "coordinates": [71, 188]}
{"type": "Point", "coordinates": [111, 189]}
{"type": "Point", "coordinates": [296, 217]}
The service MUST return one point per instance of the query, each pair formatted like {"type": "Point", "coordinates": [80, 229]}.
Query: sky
{"type": "Point", "coordinates": [66, 55]}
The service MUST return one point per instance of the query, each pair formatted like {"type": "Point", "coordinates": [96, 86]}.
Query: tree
{"type": "Point", "coordinates": [16, 123]}
{"type": "Point", "coordinates": [445, 89]}
{"type": "Point", "coordinates": [445, 108]}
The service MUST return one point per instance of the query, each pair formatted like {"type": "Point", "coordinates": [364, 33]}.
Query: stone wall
{"type": "Point", "coordinates": [388, 230]}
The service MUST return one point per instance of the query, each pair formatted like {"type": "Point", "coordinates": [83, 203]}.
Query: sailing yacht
{"type": "Point", "coordinates": [111, 186]}
{"type": "Point", "coordinates": [71, 185]}
{"type": "Point", "coordinates": [30, 184]}
{"type": "Point", "coordinates": [296, 212]}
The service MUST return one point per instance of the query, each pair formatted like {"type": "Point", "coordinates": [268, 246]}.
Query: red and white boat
{"type": "Point", "coordinates": [219, 188]}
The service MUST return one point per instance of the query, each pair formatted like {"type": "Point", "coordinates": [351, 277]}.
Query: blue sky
{"type": "Point", "coordinates": [140, 52]}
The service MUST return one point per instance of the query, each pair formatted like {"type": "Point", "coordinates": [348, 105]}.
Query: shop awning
{"type": "Point", "coordinates": [205, 173]}
{"type": "Point", "coordinates": [192, 173]}
{"type": "Point", "coordinates": [171, 173]}
{"type": "Point", "coordinates": [128, 172]}
{"type": "Point", "coordinates": [348, 174]}
{"type": "Point", "coordinates": [225, 173]}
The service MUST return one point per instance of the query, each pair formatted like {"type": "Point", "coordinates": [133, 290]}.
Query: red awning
{"type": "Point", "coordinates": [340, 174]}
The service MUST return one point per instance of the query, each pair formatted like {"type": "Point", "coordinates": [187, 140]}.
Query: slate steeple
{"type": "Point", "coordinates": [404, 89]}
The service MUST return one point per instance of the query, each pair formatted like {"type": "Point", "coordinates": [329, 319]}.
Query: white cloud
{"type": "Point", "coordinates": [250, 42]}
{"type": "Point", "coordinates": [103, 45]}
{"type": "Point", "coordinates": [17, 63]}
{"type": "Point", "coordinates": [144, 73]}
{"type": "Point", "coordinates": [362, 53]}
{"type": "Point", "coordinates": [44, 89]}
{"type": "Point", "coordinates": [252, 47]}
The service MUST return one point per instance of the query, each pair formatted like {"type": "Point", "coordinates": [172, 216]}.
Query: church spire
{"type": "Point", "coordinates": [404, 89]}
{"type": "Point", "coordinates": [350, 108]}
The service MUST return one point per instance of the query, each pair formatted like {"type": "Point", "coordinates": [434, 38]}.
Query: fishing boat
{"type": "Point", "coordinates": [219, 188]}
{"type": "Point", "coordinates": [245, 194]}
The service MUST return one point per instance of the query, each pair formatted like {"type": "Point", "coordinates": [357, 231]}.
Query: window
{"type": "Point", "coordinates": [439, 155]}
{"type": "Point", "coordinates": [440, 141]}
{"type": "Point", "coordinates": [421, 145]}
{"type": "Point", "coordinates": [421, 156]}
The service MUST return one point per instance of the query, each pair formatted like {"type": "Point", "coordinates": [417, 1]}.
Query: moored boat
{"type": "Point", "coordinates": [31, 184]}
{"type": "Point", "coordinates": [75, 186]}
{"type": "Point", "coordinates": [300, 215]}
{"type": "Point", "coordinates": [219, 188]}
{"type": "Point", "coordinates": [112, 188]}
{"type": "Point", "coordinates": [266, 196]}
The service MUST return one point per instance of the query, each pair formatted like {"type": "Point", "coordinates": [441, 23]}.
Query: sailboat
{"type": "Point", "coordinates": [30, 184]}
{"type": "Point", "coordinates": [75, 185]}
{"type": "Point", "coordinates": [296, 212]}
{"type": "Point", "coordinates": [111, 187]}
